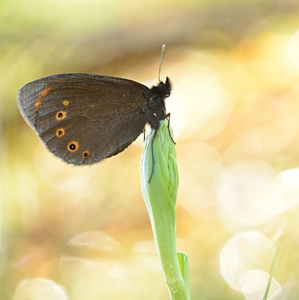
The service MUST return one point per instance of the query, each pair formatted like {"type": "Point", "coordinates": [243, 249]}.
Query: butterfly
{"type": "Point", "coordinates": [85, 118]}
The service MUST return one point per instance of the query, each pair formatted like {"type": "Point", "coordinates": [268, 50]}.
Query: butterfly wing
{"type": "Point", "coordinates": [84, 118]}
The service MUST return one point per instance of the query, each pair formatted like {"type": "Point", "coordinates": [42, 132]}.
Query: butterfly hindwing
{"type": "Point", "coordinates": [84, 118]}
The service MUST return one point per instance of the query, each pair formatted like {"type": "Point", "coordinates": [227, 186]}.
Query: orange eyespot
{"type": "Point", "coordinates": [60, 115]}
{"type": "Point", "coordinates": [73, 146]}
{"type": "Point", "coordinates": [65, 102]}
{"type": "Point", "coordinates": [85, 154]}
{"type": "Point", "coordinates": [60, 132]}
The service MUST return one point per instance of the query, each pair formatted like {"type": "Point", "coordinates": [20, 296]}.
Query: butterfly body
{"type": "Point", "coordinates": [85, 118]}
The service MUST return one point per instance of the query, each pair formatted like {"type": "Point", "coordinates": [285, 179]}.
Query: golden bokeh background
{"type": "Point", "coordinates": [84, 231]}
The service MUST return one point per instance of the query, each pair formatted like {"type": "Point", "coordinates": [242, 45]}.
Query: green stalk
{"type": "Point", "coordinates": [159, 182]}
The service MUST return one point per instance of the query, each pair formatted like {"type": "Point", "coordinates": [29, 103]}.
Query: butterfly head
{"type": "Point", "coordinates": [162, 89]}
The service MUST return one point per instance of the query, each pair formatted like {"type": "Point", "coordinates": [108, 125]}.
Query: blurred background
{"type": "Point", "coordinates": [84, 232]}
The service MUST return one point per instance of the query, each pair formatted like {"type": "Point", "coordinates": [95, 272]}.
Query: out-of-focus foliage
{"type": "Point", "coordinates": [84, 233]}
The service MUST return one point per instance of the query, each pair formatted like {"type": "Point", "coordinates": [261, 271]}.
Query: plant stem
{"type": "Point", "coordinates": [158, 163]}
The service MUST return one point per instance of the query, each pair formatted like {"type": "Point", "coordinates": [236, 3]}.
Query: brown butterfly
{"type": "Point", "coordinates": [84, 118]}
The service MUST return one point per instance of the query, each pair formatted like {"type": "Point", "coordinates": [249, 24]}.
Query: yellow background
{"type": "Point", "coordinates": [234, 108]}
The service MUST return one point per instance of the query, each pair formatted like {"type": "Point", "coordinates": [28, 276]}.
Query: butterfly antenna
{"type": "Point", "coordinates": [163, 50]}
